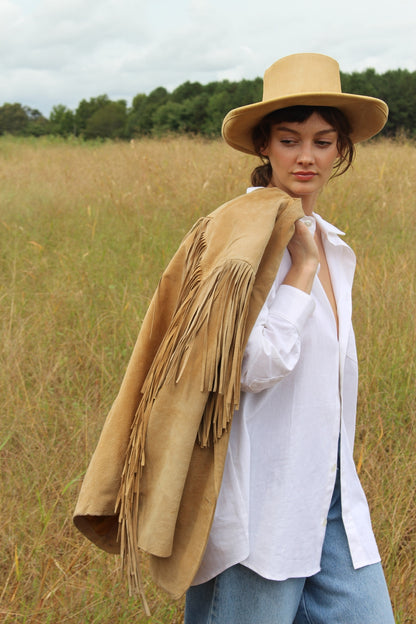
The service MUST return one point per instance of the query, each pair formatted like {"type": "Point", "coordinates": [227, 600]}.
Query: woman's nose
{"type": "Point", "coordinates": [305, 154]}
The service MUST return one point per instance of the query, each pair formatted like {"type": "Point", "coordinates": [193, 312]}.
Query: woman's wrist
{"type": "Point", "coordinates": [302, 277]}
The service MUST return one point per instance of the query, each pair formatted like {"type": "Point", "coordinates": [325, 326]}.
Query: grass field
{"type": "Point", "coordinates": [86, 230]}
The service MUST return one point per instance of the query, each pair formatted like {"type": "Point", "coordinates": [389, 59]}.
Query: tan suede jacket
{"type": "Point", "coordinates": [154, 478]}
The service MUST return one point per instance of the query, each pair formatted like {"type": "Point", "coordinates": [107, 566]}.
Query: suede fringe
{"type": "Point", "coordinates": [215, 309]}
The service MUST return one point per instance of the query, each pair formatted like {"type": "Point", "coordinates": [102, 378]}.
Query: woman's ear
{"type": "Point", "coordinates": [264, 151]}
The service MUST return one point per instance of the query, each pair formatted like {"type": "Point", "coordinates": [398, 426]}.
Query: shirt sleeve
{"type": "Point", "coordinates": [273, 347]}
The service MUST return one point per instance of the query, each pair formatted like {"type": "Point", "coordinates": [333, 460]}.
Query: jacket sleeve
{"type": "Point", "coordinates": [95, 514]}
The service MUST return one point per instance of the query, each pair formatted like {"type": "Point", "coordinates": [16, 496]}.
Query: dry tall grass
{"type": "Point", "coordinates": [85, 233]}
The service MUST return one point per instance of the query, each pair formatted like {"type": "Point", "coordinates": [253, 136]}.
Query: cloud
{"type": "Point", "coordinates": [61, 52]}
{"type": "Point", "coordinates": [65, 48]}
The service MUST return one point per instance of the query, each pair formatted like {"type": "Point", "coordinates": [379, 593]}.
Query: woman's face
{"type": "Point", "coordinates": [302, 156]}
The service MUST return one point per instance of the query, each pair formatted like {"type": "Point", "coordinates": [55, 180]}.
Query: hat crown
{"type": "Point", "coordinates": [301, 74]}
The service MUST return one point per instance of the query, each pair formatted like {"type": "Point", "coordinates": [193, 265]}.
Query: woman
{"type": "Point", "coordinates": [282, 548]}
{"type": "Point", "coordinates": [251, 325]}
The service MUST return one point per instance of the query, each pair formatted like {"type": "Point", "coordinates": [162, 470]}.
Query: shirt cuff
{"type": "Point", "coordinates": [292, 304]}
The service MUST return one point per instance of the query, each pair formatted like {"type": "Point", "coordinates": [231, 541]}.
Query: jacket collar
{"type": "Point", "coordinates": [330, 231]}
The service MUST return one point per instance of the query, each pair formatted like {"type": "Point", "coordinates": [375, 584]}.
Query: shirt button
{"type": "Point", "coordinates": [310, 223]}
{"type": "Point", "coordinates": [324, 522]}
{"type": "Point", "coordinates": [333, 468]}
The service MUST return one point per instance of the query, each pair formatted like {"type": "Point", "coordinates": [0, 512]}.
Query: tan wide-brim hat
{"type": "Point", "coordinates": [304, 79]}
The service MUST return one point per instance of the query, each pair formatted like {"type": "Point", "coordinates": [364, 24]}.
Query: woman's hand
{"type": "Point", "coordinates": [305, 259]}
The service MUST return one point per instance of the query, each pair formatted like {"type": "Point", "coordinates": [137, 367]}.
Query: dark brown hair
{"type": "Point", "coordinates": [262, 174]}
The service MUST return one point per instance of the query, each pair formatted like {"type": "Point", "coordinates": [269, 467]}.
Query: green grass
{"type": "Point", "coordinates": [86, 230]}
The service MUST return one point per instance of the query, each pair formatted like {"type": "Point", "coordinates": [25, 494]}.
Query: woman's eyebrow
{"type": "Point", "coordinates": [328, 131]}
{"type": "Point", "coordinates": [286, 129]}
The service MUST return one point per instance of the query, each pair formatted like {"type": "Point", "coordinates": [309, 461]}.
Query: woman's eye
{"type": "Point", "coordinates": [288, 141]}
{"type": "Point", "coordinates": [323, 143]}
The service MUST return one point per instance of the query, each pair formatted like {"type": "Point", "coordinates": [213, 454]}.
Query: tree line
{"type": "Point", "coordinates": [196, 109]}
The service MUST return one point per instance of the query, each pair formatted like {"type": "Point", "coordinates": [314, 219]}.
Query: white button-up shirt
{"type": "Point", "coordinates": [299, 381]}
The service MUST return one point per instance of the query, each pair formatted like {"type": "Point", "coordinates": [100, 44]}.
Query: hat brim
{"type": "Point", "coordinates": [367, 116]}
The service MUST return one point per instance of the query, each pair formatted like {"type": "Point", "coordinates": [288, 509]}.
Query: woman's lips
{"type": "Point", "coordinates": [304, 175]}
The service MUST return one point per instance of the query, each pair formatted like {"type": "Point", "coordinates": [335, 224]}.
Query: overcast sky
{"type": "Point", "coordinates": [62, 51]}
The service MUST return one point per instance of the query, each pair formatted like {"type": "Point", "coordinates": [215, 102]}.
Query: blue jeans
{"type": "Point", "coordinates": [338, 594]}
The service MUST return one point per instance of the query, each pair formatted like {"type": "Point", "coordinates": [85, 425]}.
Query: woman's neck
{"type": "Point", "coordinates": [308, 204]}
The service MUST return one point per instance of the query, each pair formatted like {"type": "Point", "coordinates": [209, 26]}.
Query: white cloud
{"type": "Point", "coordinates": [63, 51]}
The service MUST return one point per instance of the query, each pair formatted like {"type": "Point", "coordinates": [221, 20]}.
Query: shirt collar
{"type": "Point", "coordinates": [330, 231]}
